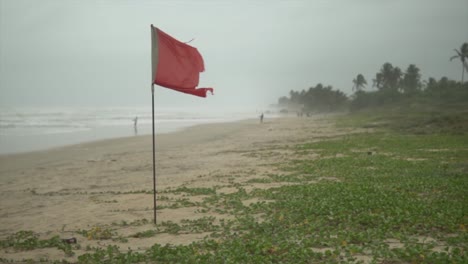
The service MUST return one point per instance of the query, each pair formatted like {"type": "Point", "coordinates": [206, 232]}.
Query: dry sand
{"type": "Point", "coordinates": [64, 190]}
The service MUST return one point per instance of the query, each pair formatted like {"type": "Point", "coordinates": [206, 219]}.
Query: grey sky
{"type": "Point", "coordinates": [98, 52]}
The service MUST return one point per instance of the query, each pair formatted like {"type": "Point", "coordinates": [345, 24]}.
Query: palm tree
{"type": "Point", "coordinates": [411, 81]}
{"type": "Point", "coordinates": [359, 83]}
{"type": "Point", "coordinates": [389, 78]}
{"type": "Point", "coordinates": [463, 55]}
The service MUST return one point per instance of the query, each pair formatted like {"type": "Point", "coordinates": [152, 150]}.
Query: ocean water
{"type": "Point", "coordinates": [31, 129]}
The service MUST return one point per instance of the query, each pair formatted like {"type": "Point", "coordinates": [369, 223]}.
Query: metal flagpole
{"type": "Point", "coordinates": [154, 53]}
{"type": "Point", "coordinates": [154, 154]}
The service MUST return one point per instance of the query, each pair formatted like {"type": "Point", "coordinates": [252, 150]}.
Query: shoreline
{"type": "Point", "coordinates": [164, 140]}
{"type": "Point", "coordinates": [23, 144]}
{"type": "Point", "coordinates": [30, 129]}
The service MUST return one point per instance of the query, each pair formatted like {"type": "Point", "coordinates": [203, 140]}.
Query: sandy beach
{"type": "Point", "coordinates": [64, 190]}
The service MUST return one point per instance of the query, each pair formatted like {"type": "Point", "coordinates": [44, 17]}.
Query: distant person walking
{"type": "Point", "coordinates": [135, 124]}
{"type": "Point", "coordinates": [261, 118]}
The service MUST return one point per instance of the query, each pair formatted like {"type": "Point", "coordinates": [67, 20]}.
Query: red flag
{"type": "Point", "coordinates": [176, 65]}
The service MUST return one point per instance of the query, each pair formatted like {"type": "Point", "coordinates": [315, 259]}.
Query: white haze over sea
{"type": "Point", "coordinates": [38, 128]}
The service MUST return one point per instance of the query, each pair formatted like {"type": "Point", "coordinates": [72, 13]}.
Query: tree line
{"type": "Point", "coordinates": [391, 86]}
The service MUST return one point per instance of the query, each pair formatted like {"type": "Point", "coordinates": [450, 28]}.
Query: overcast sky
{"type": "Point", "coordinates": [59, 53]}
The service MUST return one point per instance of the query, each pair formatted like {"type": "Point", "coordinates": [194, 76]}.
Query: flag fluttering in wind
{"type": "Point", "coordinates": [176, 65]}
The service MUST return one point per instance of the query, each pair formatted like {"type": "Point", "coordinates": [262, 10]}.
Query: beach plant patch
{"type": "Point", "coordinates": [29, 240]}
{"type": "Point", "coordinates": [97, 233]}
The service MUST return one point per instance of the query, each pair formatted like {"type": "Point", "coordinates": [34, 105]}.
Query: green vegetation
{"type": "Point", "coordinates": [462, 54]}
{"type": "Point", "coordinates": [97, 233]}
{"type": "Point", "coordinates": [393, 88]}
{"type": "Point", "coordinates": [359, 83]}
{"type": "Point", "coordinates": [316, 99]}
{"type": "Point", "coordinates": [393, 195]}
{"type": "Point", "coordinates": [194, 191]}
{"type": "Point", "coordinates": [396, 90]}
{"type": "Point", "coordinates": [400, 198]}
{"type": "Point", "coordinates": [28, 240]}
